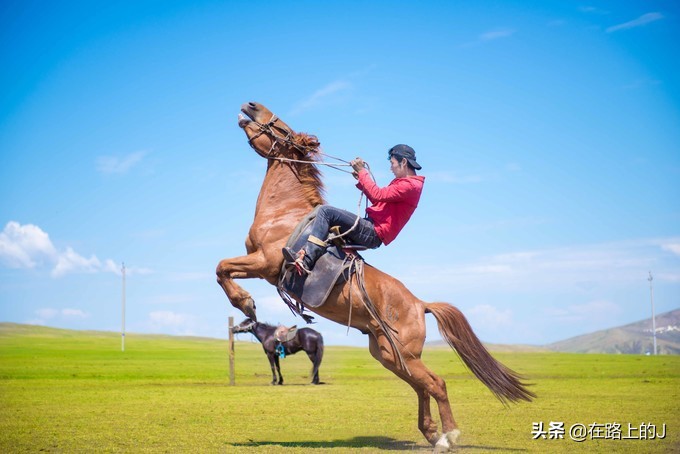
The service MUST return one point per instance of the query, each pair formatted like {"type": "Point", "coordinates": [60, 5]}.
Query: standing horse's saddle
{"type": "Point", "coordinates": [332, 268]}
{"type": "Point", "coordinates": [285, 334]}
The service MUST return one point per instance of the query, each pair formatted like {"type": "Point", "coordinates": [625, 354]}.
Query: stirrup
{"type": "Point", "coordinates": [295, 261]}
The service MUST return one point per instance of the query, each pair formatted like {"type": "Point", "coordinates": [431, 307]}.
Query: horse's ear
{"type": "Point", "coordinates": [307, 141]}
{"type": "Point", "coordinates": [313, 142]}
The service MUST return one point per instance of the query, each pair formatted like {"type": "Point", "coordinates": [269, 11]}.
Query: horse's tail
{"type": "Point", "coordinates": [504, 383]}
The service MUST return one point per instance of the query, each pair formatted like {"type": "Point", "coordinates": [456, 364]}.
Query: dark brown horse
{"type": "Point", "coordinates": [292, 187]}
{"type": "Point", "coordinates": [305, 339]}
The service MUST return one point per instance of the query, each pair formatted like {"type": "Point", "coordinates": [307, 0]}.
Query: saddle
{"type": "Point", "coordinates": [333, 268]}
{"type": "Point", "coordinates": [285, 334]}
{"type": "Point", "coordinates": [338, 264]}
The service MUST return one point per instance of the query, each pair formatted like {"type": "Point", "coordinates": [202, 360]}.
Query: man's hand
{"type": "Point", "coordinates": [357, 164]}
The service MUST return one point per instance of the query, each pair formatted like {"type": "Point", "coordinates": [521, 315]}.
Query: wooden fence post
{"type": "Point", "coordinates": [231, 351]}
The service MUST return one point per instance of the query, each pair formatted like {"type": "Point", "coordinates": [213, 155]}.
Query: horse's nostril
{"type": "Point", "coordinates": [251, 104]}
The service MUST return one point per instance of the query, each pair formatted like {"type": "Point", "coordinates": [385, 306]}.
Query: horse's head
{"type": "Point", "coordinates": [245, 326]}
{"type": "Point", "coordinates": [271, 138]}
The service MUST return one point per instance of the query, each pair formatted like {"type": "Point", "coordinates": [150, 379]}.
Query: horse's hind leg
{"type": "Point", "coordinates": [315, 358]}
{"type": "Point", "coordinates": [426, 384]}
{"type": "Point", "coordinates": [313, 346]}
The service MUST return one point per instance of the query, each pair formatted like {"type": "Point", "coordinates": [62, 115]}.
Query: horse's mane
{"type": "Point", "coordinates": [309, 174]}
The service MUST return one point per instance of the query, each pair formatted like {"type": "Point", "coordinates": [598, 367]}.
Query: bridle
{"type": "Point", "coordinates": [244, 328]}
{"type": "Point", "coordinates": [269, 129]}
{"type": "Point", "coordinates": [286, 139]}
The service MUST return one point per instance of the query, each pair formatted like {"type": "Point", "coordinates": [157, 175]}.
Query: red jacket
{"type": "Point", "coordinates": [393, 205]}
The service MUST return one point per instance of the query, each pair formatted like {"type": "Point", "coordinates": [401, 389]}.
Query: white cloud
{"type": "Point", "coordinates": [272, 304]}
{"type": "Point", "coordinates": [321, 95]}
{"type": "Point", "coordinates": [491, 35]}
{"type": "Point", "coordinates": [47, 314]}
{"type": "Point", "coordinates": [69, 261]}
{"type": "Point", "coordinates": [110, 266]}
{"type": "Point", "coordinates": [119, 164]}
{"type": "Point", "coordinates": [496, 34]}
{"type": "Point", "coordinates": [671, 247]}
{"type": "Point", "coordinates": [74, 313]}
{"type": "Point", "coordinates": [173, 323]}
{"type": "Point", "coordinates": [639, 22]}
{"type": "Point", "coordinates": [592, 10]}
{"type": "Point", "coordinates": [594, 310]}
{"type": "Point", "coordinates": [168, 318]}
{"type": "Point", "coordinates": [490, 317]}
{"type": "Point", "coordinates": [28, 246]}
{"type": "Point", "coordinates": [24, 246]}
{"type": "Point", "coordinates": [337, 91]}
{"type": "Point", "coordinates": [488, 269]}
{"type": "Point", "coordinates": [578, 266]}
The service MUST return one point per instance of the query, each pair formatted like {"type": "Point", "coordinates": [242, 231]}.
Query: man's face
{"type": "Point", "coordinates": [398, 168]}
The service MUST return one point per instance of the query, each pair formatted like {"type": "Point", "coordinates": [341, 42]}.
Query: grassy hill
{"type": "Point", "coordinates": [634, 338]}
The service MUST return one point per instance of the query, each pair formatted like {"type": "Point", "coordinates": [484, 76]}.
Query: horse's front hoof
{"type": "Point", "coordinates": [249, 309]}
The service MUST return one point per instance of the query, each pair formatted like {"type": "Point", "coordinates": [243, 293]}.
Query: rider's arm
{"type": "Point", "coordinates": [398, 190]}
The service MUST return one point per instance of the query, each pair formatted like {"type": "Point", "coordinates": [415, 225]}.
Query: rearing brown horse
{"type": "Point", "coordinates": [292, 187]}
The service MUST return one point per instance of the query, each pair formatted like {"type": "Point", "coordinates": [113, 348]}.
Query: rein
{"type": "Point", "coordinates": [268, 128]}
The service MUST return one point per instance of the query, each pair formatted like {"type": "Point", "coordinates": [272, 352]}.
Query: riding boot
{"type": "Point", "coordinates": [293, 260]}
{"type": "Point", "coordinates": [305, 258]}
{"type": "Point", "coordinates": [313, 251]}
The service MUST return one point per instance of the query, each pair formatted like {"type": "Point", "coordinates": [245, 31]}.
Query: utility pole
{"type": "Point", "coordinates": [122, 335]}
{"type": "Point", "coordinates": [651, 296]}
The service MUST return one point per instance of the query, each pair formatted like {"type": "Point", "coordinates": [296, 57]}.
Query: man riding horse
{"type": "Point", "coordinates": [392, 207]}
{"type": "Point", "coordinates": [292, 189]}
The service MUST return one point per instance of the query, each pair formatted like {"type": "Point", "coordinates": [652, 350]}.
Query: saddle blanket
{"type": "Point", "coordinates": [333, 268]}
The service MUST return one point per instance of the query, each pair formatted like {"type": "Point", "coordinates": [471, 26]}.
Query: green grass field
{"type": "Point", "coordinates": [67, 391]}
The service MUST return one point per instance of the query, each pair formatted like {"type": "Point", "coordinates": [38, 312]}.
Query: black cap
{"type": "Point", "coordinates": [404, 151]}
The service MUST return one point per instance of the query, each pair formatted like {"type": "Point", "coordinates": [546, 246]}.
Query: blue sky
{"type": "Point", "coordinates": [549, 134]}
